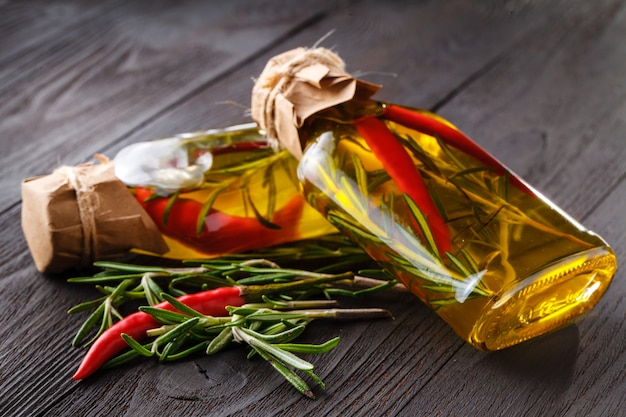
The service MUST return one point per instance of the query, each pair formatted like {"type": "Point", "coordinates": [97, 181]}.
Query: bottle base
{"type": "Point", "coordinates": [545, 301]}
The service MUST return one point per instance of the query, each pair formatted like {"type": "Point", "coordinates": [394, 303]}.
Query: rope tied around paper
{"type": "Point", "coordinates": [87, 201]}
{"type": "Point", "coordinates": [297, 84]}
{"type": "Point", "coordinates": [278, 76]}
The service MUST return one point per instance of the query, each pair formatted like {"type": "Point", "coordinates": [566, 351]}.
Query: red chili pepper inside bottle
{"type": "Point", "coordinates": [494, 258]}
{"type": "Point", "coordinates": [218, 192]}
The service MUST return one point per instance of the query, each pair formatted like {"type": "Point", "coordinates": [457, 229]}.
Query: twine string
{"type": "Point", "coordinates": [87, 202]}
{"type": "Point", "coordinates": [279, 75]}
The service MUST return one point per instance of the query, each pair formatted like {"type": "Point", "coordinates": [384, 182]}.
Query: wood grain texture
{"type": "Point", "coordinates": [540, 84]}
{"type": "Point", "coordinates": [89, 86]}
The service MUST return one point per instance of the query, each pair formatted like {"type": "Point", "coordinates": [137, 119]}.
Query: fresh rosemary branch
{"type": "Point", "coordinates": [267, 329]}
{"type": "Point", "coordinates": [122, 282]}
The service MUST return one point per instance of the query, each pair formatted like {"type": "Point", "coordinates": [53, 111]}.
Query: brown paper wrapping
{"type": "Point", "coordinates": [297, 84]}
{"type": "Point", "coordinates": [77, 215]}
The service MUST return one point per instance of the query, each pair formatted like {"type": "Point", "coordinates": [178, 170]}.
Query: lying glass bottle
{"type": "Point", "coordinates": [496, 260]}
{"type": "Point", "coordinates": [218, 192]}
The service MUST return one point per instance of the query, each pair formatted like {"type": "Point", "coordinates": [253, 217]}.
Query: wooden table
{"type": "Point", "coordinates": [542, 85]}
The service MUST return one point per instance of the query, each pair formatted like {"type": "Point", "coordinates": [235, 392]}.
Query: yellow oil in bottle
{"type": "Point", "coordinates": [220, 192]}
{"type": "Point", "coordinates": [516, 266]}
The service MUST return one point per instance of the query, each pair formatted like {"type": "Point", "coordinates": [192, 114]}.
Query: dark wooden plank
{"type": "Point", "coordinates": [85, 89]}
{"type": "Point", "coordinates": [413, 365]}
{"type": "Point", "coordinates": [558, 128]}
{"type": "Point", "coordinates": [578, 371]}
{"type": "Point", "coordinates": [25, 24]}
{"type": "Point", "coordinates": [551, 108]}
{"type": "Point", "coordinates": [354, 384]}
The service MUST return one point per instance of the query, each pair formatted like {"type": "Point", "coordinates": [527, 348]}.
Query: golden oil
{"type": "Point", "coordinates": [517, 266]}
{"type": "Point", "coordinates": [219, 192]}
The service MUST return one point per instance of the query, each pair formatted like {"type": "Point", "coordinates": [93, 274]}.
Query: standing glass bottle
{"type": "Point", "coordinates": [495, 259]}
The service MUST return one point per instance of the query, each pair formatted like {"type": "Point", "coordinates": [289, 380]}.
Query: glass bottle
{"type": "Point", "coordinates": [219, 191]}
{"type": "Point", "coordinates": [498, 261]}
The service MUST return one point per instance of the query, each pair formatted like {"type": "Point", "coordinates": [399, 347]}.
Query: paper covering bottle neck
{"type": "Point", "coordinates": [297, 84]}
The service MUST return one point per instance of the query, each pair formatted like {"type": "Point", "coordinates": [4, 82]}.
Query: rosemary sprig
{"type": "Point", "coordinates": [123, 282]}
{"type": "Point", "coordinates": [267, 329]}
{"type": "Point", "coordinates": [377, 224]}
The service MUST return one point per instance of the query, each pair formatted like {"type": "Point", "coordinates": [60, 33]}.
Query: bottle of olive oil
{"type": "Point", "coordinates": [494, 258]}
{"type": "Point", "coordinates": [218, 192]}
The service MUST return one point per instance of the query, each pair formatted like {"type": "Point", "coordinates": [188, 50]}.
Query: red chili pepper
{"type": "Point", "coordinates": [110, 342]}
{"type": "Point", "coordinates": [222, 233]}
{"type": "Point", "coordinates": [402, 169]}
{"type": "Point", "coordinates": [451, 136]}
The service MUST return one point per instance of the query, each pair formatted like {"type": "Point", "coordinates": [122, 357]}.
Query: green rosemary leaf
{"type": "Point", "coordinates": [269, 181]}
{"type": "Point", "coordinates": [241, 311]}
{"type": "Point", "coordinates": [265, 279]}
{"type": "Point", "coordinates": [377, 178]}
{"type": "Point", "coordinates": [446, 289]}
{"type": "Point", "coordinates": [182, 307]}
{"type": "Point", "coordinates": [418, 153]}
{"type": "Point", "coordinates": [88, 305]}
{"type": "Point", "coordinates": [164, 316]}
{"type": "Point", "coordinates": [129, 267]}
{"type": "Point", "coordinates": [102, 279]}
{"type": "Point", "coordinates": [124, 358]}
{"type": "Point", "coordinates": [503, 186]}
{"type": "Point", "coordinates": [474, 170]}
{"type": "Point", "coordinates": [422, 224]}
{"type": "Point", "coordinates": [438, 204]}
{"type": "Point", "coordinates": [270, 315]}
{"type": "Point", "coordinates": [173, 290]}
{"type": "Point", "coordinates": [458, 264]}
{"type": "Point", "coordinates": [168, 207]}
{"type": "Point", "coordinates": [358, 201]}
{"type": "Point", "coordinates": [338, 220]}
{"type": "Point", "coordinates": [439, 275]}
{"type": "Point", "coordinates": [177, 331]}
{"type": "Point", "coordinates": [171, 348]}
{"type": "Point", "coordinates": [309, 348]}
{"type": "Point", "coordinates": [220, 341]}
{"type": "Point", "coordinates": [136, 346]}
{"type": "Point", "coordinates": [283, 337]}
{"type": "Point", "coordinates": [446, 150]}
{"type": "Point", "coordinates": [206, 207]}
{"type": "Point", "coordinates": [288, 272]}
{"type": "Point", "coordinates": [375, 289]}
{"type": "Point", "coordinates": [488, 181]}
{"type": "Point", "coordinates": [282, 355]}
{"type": "Point", "coordinates": [316, 378]}
{"type": "Point", "coordinates": [265, 222]}
{"type": "Point", "coordinates": [242, 166]}
{"type": "Point", "coordinates": [471, 263]}
{"type": "Point", "coordinates": [442, 302]}
{"type": "Point", "coordinates": [88, 325]}
{"type": "Point", "coordinates": [151, 289]}
{"type": "Point", "coordinates": [375, 273]}
{"type": "Point", "coordinates": [289, 375]}
{"type": "Point", "coordinates": [199, 347]}
{"type": "Point", "coordinates": [360, 174]}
